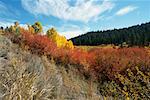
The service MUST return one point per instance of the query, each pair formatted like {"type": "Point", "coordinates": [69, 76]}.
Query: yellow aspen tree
{"type": "Point", "coordinates": [60, 41]}
{"type": "Point", "coordinates": [37, 27]}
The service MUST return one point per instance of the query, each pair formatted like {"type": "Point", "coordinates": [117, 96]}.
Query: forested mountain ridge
{"type": "Point", "coordinates": [138, 35]}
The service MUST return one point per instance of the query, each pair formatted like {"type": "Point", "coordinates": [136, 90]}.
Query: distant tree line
{"type": "Point", "coordinates": [138, 35]}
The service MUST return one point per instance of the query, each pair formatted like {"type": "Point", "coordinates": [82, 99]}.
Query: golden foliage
{"type": "Point", "coordinates": [60, 41]}
{"type": "Point", "coordinates": [31, 29]}
{"type": "Point", "coordinates": [15, 28]}
{"type": "Point", "coordinates": [134, 84]}
{"type": "Point", "coordinates": [35, 28]}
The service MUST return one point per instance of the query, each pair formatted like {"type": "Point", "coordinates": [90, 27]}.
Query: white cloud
{"type": "Point", "coordinates": [68, 30]}
{"type": "Point", "coordinates": [82, 10]}
{"type": "Point", "coordinates": [126, 10]}
{"type": "Point", "coordinates": [71, 30]}
{"type": "Point", "coordinates": [5, 24]}
{"type": "Point", "coordinates": [8, 22]}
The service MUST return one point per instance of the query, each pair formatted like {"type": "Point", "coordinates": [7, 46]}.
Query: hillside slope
{"type": "Point", "coordinates": [34, 67]}
{"type": "Point", "coordinates": [136, 35]}
{"type": "Point", "coordinates": [28, 76]}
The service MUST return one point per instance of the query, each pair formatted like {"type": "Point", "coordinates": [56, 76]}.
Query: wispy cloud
{"type": "Point", "coordinates": [71, 30]}
{"type": "Point", "coordinates": [3, 9]}
{"type": "Point", "coordinates": [8, 22]}
{"type": "Point", "coordinates": [125, 10]}
{"type": "Point", "coordinates": [82, 10]}
{"type": "Point", "coordinates": [8, 11]}
{"type": "Point", "coordinates": [5, 24]}
{"type": "Point", "coordinates": [68, 30]}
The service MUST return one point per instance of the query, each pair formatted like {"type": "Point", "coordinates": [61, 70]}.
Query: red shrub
{"type": "Point", "coordinates": [79, 57]}
{"type": "Point", "coordinates": [95, 61]}
{"type": "Point", "coordinates": [38, 43]}
{"type": "Point", "coordinates": [118, 60]}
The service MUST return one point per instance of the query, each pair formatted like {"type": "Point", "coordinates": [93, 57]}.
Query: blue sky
{"type": "Point", "coordinates": [74, 17]}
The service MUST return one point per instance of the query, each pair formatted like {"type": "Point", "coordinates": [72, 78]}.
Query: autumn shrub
{"type": "Point", "coordinates": [121, 72]}
{"type": "Point", "coordinates": [38, 43]}
{"type": "Point", "coordinates": [133, 84]}
{"type": "Point", "coordinates": [98, 61]}
{"type": "Point", "coordinates": [110, 61]}
{"type": "Point", "coordinates": [61, 56]}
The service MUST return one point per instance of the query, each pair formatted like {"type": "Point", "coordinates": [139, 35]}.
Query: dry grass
{"type": "Point", "coordinates": [87, 48]}
{"type": "Point", "coordinates": [17, 83]}
{"type": "Point", "coordinates": [22, 75]}
{"type": "Point", "coordinates": [26, 76]}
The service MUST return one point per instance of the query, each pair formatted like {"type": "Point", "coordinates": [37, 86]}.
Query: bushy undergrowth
{"type": "Point", "coordinates": [134, 84]}
{"type": "Point", "coordinates": [98, 63]}
{"type": "Point", "coordinates": [111, 61]}
{"type": "Point", "coordinates": [107, 60]}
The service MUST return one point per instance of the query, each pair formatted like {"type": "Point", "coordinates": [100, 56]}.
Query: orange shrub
{"type": "Point", "coordinates": [38, 43]}
{"type": "Point", "coordinates": [110, 60]}
{"type": "Point", "coordinates": [96, 61]}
